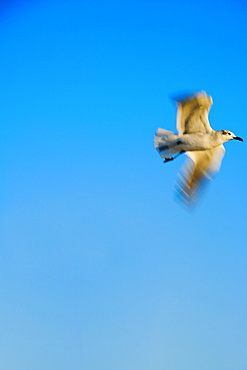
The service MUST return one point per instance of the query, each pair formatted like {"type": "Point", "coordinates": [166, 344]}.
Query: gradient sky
{"type": "Point", "coordinates": [100, 267]}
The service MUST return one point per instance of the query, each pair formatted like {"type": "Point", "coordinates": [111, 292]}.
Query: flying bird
{"type": "Point", "coordinates": [195, 138]}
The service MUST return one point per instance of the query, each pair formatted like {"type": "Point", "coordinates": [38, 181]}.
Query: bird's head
{"type": "Point", "coordinates": [228, 135]}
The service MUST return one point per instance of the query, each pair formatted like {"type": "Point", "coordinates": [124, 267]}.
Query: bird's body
{"type": "Point", "coordinates": [197, 139]}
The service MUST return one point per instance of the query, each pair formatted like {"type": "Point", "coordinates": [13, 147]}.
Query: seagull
{"type": "Point", "coordinates": [195, 138]}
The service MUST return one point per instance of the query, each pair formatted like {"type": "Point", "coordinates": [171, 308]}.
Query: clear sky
{"type": "Point", "coordinates": [100, 267]}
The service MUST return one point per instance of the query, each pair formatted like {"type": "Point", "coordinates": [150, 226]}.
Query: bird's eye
{"type": "Point", "coordinates": [229, 133]}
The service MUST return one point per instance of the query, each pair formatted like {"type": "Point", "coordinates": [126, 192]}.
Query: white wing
{"type": "Point", "coordinates": [192, 114]}
{"type": "Point", "coordinates": [203, 165]}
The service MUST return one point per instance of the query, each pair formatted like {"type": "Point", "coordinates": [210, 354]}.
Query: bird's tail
{"type": "Point", "coordinates": [166, 143]}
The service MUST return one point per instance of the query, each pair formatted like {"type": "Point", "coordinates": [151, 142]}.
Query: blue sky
{"type": "Point", "coordinates": [100, 268]}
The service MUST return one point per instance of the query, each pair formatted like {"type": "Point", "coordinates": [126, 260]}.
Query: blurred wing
{"type": "Point", "coordinates": [203, 165]}
{"type": "Point", "coordinates": [192, 114]}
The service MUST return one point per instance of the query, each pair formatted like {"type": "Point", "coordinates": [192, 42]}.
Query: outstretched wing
{"type": "Point", "coordinates": [202, 166]}
{"type": "Point", "coordinates": [192, 114]}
